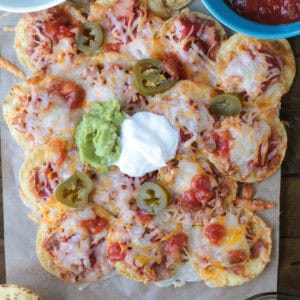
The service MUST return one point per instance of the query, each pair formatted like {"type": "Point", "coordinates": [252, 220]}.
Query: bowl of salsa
{"type": "Point", "coordinates": [267, 19]}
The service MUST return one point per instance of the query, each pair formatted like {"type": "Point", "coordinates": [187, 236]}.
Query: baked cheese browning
{"type": "Point", "coordinates": [115, 191]}
{"type": "Point", "coordinates": [46, 37]}
{"type": "Point", "coordinates": [43, 108]}
{"type": "Point", "coordinates": [44, 169]}
{"type": "Point", "coordinates": [246, 148]}
{"type": "Point", "coordinates": [260, 70]}
{"type": "Point", "coordinates": [143, 248]}
{"type": "Point", "coordinates": [105, 77]}
{"type": "Point", "coordinates": [186, 106]}
{"type": "Point", "coordinates": [231, 249]}
{"type": "Point", "coordinates": [198, 192]}
{"type": "Point", "coordinates": [76, 247]}
{"type": "Point", "coordinates": [129, 28]}
{"type": "Point", "coordinates": [195, 38]}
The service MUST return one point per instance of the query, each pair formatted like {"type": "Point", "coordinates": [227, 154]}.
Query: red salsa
{"type": "Point", "coordinates": [271, 12]}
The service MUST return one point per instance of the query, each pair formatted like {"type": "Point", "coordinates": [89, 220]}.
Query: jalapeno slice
{"type": "Point", "coordinates": [75, 190]}
{"type": "Point", "coordinates": [152, 198]}
{"type": "Point", "coordinates": [90, 38]}
{"type": "Point", "coordinates": [227, 104]}
{"type": "Point", "coordinates": [150, 77]}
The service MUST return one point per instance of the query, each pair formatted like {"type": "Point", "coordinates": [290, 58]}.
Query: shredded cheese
{"type": "Point", "coordinates": [5, 64]}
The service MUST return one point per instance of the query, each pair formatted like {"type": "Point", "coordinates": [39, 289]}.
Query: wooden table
{"type": "Point", "coordinates": [289, 263]}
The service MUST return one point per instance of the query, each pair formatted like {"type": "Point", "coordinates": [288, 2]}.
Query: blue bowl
{"type": "Point", "coordinates": [221, 11]}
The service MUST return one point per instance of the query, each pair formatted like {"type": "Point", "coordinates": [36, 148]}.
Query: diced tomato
{"type": "Point", "coordinates": [188, 27]}
{"type": "Point", "coordinates": [173, 66]}
{"type": "Point", "coordinates": [255, 249]}
{"type": "Point", "coordinates": [115, 253]}
{"type": "Point", "coordinates": [218, 143]}
{"type": "Point", "coordinates": [94, 225]}
{"type": "Point", "coordinates": [60, 27]}
{"type": "Point", "coordinates": [202, 188]}
{"type": "Point", "coordinates": [223, 142]}
{"type": "Point", "coordinates": [215, 232]}
{"type": "Point", "coordinates": [198, 195]}
{"type": "Point", "coordinates": [188, 201]}
{"type": "Point", "coordinates": [176, 243]}
{"type": "Point", "coordinates": [113, 47]}
{"type": "Point", "coordinates": [237, 256]}
{"type": "Point", "coordinates": [144, 217]}
{"type": "Point", "coordinates": [73, 93]}
{"type": "Point", "coordinates": [203, 31]}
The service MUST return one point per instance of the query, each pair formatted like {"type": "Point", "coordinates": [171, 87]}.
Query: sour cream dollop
{"type": "Point", "coordinates": [148, 141]}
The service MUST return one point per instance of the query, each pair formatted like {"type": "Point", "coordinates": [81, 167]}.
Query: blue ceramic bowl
{"type": "Point", "coordinates": [231, 19]}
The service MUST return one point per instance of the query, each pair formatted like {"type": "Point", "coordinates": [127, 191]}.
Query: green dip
{"type": "Point", "coordinates": [97, 135]}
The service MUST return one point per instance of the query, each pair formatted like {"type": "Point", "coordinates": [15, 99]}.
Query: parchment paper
{"type": "Point", "coordinates": [22, 266]}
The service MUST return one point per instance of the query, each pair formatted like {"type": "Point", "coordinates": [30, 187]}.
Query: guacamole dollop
{"type": "Point", "coordinates": [97, 135]}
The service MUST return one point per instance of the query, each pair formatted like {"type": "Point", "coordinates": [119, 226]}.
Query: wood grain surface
{"type": "Point", "coordinates": [289, 262]}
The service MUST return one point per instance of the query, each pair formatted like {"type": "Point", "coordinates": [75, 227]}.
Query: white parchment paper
{"type": "Point", "coordinates": [22, 266]}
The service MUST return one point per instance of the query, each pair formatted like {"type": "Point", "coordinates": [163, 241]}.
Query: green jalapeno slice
{"type": "Point", "coordinates": [90, 38]}
{"type": "Point", "coordinates": [152, 198]}
{"type": "Point", "coordinates": [75, 190]}
{"type": "Point", "coordinates": [150, 77]}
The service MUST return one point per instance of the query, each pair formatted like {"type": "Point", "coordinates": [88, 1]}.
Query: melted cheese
{"type": "Point", "coordinates": [246, 143]}
{"type": "Point", "coordinates": [185, 273]}
{"type": "Point", "coordinates": [48, 116]}
{"type": "Point", "coordinates": [114, 191]}
{"type": "Point", "coordinates": [186, 171]}
{"type": "Point", "coordinates": [102, 81]}
{"type": "Point", "coordinates": [247, 72]}
{"type": "Point", "coordinates": [73, 246]}
{"type": "Point", "coordinates": [217, 254]}
{"type": "Point", "coordinates": [199, 66]}
{"type": "Point", "coordinates": [176, 106]}
{"type": "Point", "coordinates": [143, 244]}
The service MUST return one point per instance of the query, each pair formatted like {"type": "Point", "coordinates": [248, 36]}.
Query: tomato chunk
{"type": "Point", "coordinates": [189, 202]}
{"type": "Point", "coordinates": [223, 142]}
{"type": "Point", "coordinates": [144, 217]}
{"type": "Point", "coordinates": [189, 27]}
{"type": "Point", "coordinates": [237, 256]}
{"type": "Point", "coordinates": [215, 232]}
{"type": "Point", "coordinates": [115, 252]}
{"type": "Point", "coordinates": [73, 93]}
{"type": "Point", "coordinates": [115, 47]}
{"type": "Point", "coordinates": [218, 143]}
{"type": "Point", "coordinates": [199, 194]}
{"type": "Point", "coordinates": [59, 28]}
{"type": "Point", "coordinates": [176, 244]}
{"type": "Point", "coordinates": [173, 66]}
{"type": "Point", "coordinates": [94, 225]}
{"type": "Point", "coordinates": [202, 188]}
